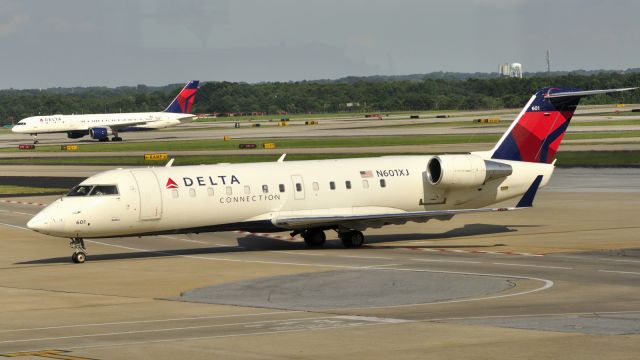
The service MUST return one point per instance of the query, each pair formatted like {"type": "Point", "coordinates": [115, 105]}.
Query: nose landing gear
{"type": "Point", "coordinates": [79, 251]}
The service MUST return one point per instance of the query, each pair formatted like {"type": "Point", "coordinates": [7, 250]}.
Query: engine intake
{"type": "Point", "coordinates": [100, 132]}
{"type": "Point", "coordinates": [76, 134]}
{"type": "Point", "coordinates": [459, 171]}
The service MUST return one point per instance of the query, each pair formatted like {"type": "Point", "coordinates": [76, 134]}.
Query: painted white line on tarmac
{"type": "Point", "coordinates": [148, 331]}
{"type": "Point", "coordinates": [15, 226]}
{"type": "Point", "coordinates": [365, 257]}
{"type": "Point", "coordinates": [153, 321]}
{"type": "Point", "coordinates": [621, 272]}
{"type": "Point", "coordinates": [17, 212]}
{"type": "Point", "coordinates": [296, 253]}
{"type": "Point", "coordinates": [534, 266]}
{"type": "Point", "coordinates": [448, 261]}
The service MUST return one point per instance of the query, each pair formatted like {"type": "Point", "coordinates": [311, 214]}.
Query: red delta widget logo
{"type": "Point", "coordinates": [203, 181]}
{"type": "Point", "coordinates": [171, 184]}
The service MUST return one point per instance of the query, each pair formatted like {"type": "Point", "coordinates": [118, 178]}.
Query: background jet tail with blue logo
{"type": "Point", "coordinates": [183, 102]}
{"type": "Point", "coordinates": [536, 133]}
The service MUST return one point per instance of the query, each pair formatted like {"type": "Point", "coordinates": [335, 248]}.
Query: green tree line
{"type": "Point", "coordinates": [313, 96]}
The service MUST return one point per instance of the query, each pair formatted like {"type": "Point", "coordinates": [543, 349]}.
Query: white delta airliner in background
{"type": "Point", "coordinates": [101, 126]}
{"type": "Point", "coordinates": [311, 197]}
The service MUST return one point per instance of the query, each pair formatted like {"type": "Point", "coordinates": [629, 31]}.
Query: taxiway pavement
{"type": "Point", "coordinates": [560, 280]}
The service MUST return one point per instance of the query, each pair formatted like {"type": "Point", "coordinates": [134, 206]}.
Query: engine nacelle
{"type": "Point", "coordinates": [76, 134]}
{"type": "Point", "coordinates": [460, 171]}
{"type": "Point", "coordinates": [100, 132]}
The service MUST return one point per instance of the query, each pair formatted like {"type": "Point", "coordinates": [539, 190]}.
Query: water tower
{"type": "Point", "coordinates": [516, 70]}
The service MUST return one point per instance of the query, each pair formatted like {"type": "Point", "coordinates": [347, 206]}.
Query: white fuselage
{"type": "Point", "coordinates": [186, 199]}
{"type": "Point", "coordinates": [70, 123]}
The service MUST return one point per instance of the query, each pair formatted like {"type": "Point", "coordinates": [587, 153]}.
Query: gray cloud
{"type": "Point", "coordinates": [118, 42]}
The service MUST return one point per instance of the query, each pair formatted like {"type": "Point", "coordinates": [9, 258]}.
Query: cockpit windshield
{"type": "Point", "coordinates": [93, 190]}
{"type": "Point", "coordinates": [104, 190]}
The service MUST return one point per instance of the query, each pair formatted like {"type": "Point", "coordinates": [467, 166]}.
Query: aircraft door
{"type": "Point", "coordinates": [150, 196]}
{"type": "Point", "coordinates": [298, 187]}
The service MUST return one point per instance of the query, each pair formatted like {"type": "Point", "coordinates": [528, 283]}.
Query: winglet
{"type": "Point", "coordinates": [527, 198]}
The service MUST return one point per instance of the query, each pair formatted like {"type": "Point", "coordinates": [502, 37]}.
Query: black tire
{"type": "Point", "coordinates": [116, 138]}
{"type": "Point", "coordinates": [352, 239]}
{"type": "Point", "coordinates": [314, 238]}
{"type": "Point", "coordinates": [79, 257]}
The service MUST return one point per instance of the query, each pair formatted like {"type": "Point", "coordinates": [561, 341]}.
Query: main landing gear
{"type": "Point", "coordinates": [79, 251]}
{"type": "Point", "coordinates": [35, 139]}
{"type": "Point", "coordinates": [115, 136]}
{"type": "Point", "coordinates": [316, 238]}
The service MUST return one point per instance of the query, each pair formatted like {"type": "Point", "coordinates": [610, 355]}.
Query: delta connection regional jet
{"type": "Point", "coordinates": [311, 197]}
{"type": "Point", "coordinates": [101, 126]}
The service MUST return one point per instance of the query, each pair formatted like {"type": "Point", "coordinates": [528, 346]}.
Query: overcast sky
{"type": "Point", "coordinates": [47, 43]}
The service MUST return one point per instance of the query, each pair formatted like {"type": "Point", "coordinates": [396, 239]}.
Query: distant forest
{"type": "Point", "coordinates": [436, 91]}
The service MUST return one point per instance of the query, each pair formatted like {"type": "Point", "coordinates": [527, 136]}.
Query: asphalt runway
{"type": "Point", "coordinates": [560, 280]}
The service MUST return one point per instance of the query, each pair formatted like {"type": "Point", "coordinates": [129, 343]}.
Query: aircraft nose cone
{"type": "Point", "coordinates": [39, 224]}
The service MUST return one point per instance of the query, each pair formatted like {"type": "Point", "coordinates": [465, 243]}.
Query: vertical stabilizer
{"type": "Point", "coordinates": [183, 102]}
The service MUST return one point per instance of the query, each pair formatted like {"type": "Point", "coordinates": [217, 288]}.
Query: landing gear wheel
{"type": "Point", "coordinates": [79, 252]}
{"type": "Point", "coordinates": [103, 139]}
{"type": "Point", "coordinates": [36, 142]}
{"type": "Point", "coordinates": [352, 239]}
{"type": "Point", "coordinates": [79, 258]}
{"type": "Point", "coordinates": [116, 138]}
{"type": "Point", "coordinates": [314, 238]}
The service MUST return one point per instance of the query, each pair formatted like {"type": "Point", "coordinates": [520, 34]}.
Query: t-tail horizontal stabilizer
{"type": "Point", "coordinates": [527, 199]}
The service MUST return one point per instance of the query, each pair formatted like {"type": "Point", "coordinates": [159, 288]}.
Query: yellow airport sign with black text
{"type": "Point", "coordinates": [156, 157]}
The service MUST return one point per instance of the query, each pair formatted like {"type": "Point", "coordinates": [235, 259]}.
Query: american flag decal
{"type": "Point", "coordinates": [366, 174]}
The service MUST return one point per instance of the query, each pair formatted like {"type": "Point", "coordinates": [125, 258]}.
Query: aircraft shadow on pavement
{"type": "Point", "coordinates": [249, 243]}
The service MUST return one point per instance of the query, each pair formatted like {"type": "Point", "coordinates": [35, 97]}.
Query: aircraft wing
{"type": "Point", "coordinates": [375, 220]}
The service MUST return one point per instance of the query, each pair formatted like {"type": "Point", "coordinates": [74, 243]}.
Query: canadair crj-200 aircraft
{"type": "Point", "coordinates": [311, 197]}
{"type": "Point", "coordinates": [101, 126]}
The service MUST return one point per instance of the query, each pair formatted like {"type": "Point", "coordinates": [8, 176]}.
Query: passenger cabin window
{"type": "Point", "coordinates": [281, 187]}
{"type": "Point", "coordinates": [229, 190]}
{"type": "Point", "coordinates": [347, 184]}
{"type": "Point", "coordinates": [247, 190]}
{"type": "Point", "coordinates": [104, 190]}
{"type": "Point", "coordinates": [383, 183]}
{"type": "Point", "coordinates": [265, 189]}
{"type": "Point", "coordinates": [80, 190]}
{"type": "Point", "coordinates": [298, 187]}
{"type": "Point", "coordinates": [210, 191]}
{"type": "Point", "coordinates": [192, 192]}
{"type": "Point", "coordinates": [316, 187]}
{"type": "Point", "coordinates": [332, 185]}
{"type": "Point", "coordinates": [174, 193]}
{"type": "Point", "coordinates": [365, 184]}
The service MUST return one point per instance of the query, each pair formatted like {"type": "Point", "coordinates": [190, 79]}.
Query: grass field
{"type": "Point", "coordinates": [343, 115]}
{"type": "Point", "coordinates": [565, 159]}
{"type": "Point", "coordinates": [11, 189]}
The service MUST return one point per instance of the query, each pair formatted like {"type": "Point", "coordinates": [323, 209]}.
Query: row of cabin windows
{"type": "Point", "coordinates": [281, 188]}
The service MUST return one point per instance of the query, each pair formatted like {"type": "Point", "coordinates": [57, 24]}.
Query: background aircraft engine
{"type": "Point", "coordinates": [76, 134]}
{"type": "Point", "coordinates": [459, 171]}
{"type": "Point", "coordinates": [100, 132]}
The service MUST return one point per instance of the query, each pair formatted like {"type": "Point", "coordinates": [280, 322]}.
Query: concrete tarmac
{"type": "Point", "coordinates": [556, 281]}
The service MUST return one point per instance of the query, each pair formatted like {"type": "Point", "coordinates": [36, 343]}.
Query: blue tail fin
{"type": "Point", "coordinates": [183, 102]}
